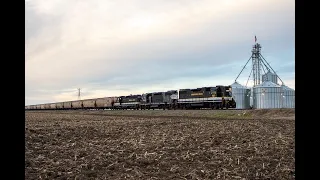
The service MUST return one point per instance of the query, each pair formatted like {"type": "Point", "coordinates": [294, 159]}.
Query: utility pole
{"type": "Point", "coordinates": [79, 94]}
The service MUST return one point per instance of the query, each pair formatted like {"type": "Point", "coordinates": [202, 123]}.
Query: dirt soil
{"type": "Point", "coordinates": [204, 144]}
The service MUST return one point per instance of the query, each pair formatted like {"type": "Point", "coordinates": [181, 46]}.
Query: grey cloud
{"type": "Point", "coordinates": [34, 22]}
{"type": "Point", "coordinates": [155, 75]}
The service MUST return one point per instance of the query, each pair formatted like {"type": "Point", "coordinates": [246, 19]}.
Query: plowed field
{"type": "Point", "coordinates": [204, 144]}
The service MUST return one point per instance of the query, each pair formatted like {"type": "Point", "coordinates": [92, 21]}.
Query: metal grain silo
{"type": "Point", "coordinates": [288, 97]}
{"type": "Point", "coordinates": [241, 95]}
{"type": "Point", "coordinates": [267, 95]}
{"type": "Point", "coordinates": [269, 76]}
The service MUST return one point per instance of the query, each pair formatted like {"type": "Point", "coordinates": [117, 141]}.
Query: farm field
{"type": "Point", "coordinates": [181, 144]}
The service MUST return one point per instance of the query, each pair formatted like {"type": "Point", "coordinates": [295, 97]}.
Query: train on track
{"type": "Point", "coordinates": [217, 97]}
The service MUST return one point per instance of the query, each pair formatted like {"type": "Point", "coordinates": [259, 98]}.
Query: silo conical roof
{"type": "Point", "coordinates": [237, 85]}
{"type": "Point", "coordinates": [284, 87]}
{"type": "Point", "coordinates": [269, 72]}
{"type": "Point", "coordinates": [268, 84]}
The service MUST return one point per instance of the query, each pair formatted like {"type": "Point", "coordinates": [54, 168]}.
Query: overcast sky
{"type": "Point", "coordinates": [121, 47]}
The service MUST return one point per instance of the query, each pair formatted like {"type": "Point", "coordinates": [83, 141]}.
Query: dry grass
{"type": "Point", "coordinates": [160, 145]}
{"type": "Point", "coordinates": [203, 114]}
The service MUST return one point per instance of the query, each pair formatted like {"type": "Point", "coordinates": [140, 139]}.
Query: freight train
{"type": "Point", "coordinates": [218, 97]}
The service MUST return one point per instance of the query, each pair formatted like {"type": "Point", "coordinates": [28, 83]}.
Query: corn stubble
{"type": "Point", "coordinates": [167, 145]}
